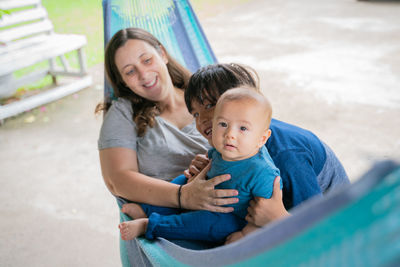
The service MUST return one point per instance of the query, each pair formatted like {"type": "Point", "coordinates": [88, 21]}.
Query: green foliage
{"type": "Point", "coordinates": [80, 17]}
{"type": "Point", "coordinates": [74, 17]}
{"type": "Point", "coordinates": [3, 12]}
{"type": "Point", "coordinates": [86, 17]}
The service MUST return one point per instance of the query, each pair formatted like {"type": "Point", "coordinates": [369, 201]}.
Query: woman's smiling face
{"type": "Point", "coordinates": [143, 69]}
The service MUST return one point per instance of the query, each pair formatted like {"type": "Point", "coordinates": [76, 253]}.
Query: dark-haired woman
{"type": "Point", "coordinates": [148, 137]}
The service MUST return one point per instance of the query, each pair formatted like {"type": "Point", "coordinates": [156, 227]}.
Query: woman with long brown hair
{"type": "Point", "coordinates": [148, 136]}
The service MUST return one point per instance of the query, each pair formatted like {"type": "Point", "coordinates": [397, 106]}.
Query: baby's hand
{"type": "Point", "coordinates": [196, 166]}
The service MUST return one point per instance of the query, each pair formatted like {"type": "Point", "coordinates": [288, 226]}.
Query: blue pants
{"type": "Point", "coordinates": [202, 225]}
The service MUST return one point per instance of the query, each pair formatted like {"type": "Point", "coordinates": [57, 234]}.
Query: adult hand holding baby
{"type": "Point", "coordinates": [199, 194]}
{"type": "Point", "coordinates": [262, 210]}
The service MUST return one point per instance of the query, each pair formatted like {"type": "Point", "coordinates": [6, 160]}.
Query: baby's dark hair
{"type": "Point", "coordinates": [210, 82]}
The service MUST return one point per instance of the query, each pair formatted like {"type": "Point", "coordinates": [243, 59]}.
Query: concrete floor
{"type": "Point", "coordinates": [328, 66]}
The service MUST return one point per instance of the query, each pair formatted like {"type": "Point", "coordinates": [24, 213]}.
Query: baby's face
{"type": "Point", "coordinates": [238, 129]}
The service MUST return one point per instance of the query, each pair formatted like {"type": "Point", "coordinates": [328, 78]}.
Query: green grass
{"type": "Point", "coordinates": [80, 17]}
{"type": "Point", "coordinates": [86, 17]}
{"type": "Point", "coordinates": [3, 12]}
{"type": "Point", "coordinates": [73, 17]}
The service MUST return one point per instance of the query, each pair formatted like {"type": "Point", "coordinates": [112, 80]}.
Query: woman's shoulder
{"type": "Point", "coordinates": [121, 105]}
{"type": "Point", "coordinates": [120, 111]}
{"type": "Point", "coordinates": [118, 128]}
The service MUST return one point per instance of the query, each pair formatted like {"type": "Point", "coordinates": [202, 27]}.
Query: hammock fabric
{"type": "Point", "coordinates": [173, 22]}
{"type": "Point", "coordinates": [357, 225]}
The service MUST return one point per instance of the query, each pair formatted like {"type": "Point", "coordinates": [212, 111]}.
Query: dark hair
{"type": "Point", "coordinates": [144, 110]}
{"type": "Point", "coordinates": [210, 82]}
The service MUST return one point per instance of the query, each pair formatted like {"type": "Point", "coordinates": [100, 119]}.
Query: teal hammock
{"type": "Point", "coordinates": [357, 225]}
{"type": "Point", "coordinates": [173, 22]}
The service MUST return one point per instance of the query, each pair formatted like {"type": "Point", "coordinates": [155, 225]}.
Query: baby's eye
{"type": "Point", "coordinates": [195, 115]}
{"type": "Point", "coordinates": [223, 124]}
{"type": "Point", "coordinates": [243, 128]}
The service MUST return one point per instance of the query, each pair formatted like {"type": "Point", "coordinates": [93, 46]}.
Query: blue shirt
{"type": "Point", "coordinates": [300, 157]}
{"type": "Point", "coordinates": [252, 177]}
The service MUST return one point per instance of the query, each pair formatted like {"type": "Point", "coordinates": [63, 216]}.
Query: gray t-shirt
{"type": "Point", "coordinates": [164, 152]}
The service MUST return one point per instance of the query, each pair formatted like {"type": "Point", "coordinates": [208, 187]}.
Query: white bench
{"type": "Point", "coordinates": [27, 38]}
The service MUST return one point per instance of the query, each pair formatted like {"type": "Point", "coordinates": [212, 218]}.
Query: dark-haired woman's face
{"type": "Point", "coordinates": [143, 69]}
{"type": "Point", "coordinates": [203, 114]}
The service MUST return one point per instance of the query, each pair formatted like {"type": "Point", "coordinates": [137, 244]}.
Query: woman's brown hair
{"type": "Point", "coordinates": [144, 110]}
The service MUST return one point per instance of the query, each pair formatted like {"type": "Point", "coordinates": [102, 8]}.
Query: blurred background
{"type": "Point", "coordinates": [328, 66]}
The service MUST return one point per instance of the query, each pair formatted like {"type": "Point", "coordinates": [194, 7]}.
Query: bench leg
{"type": "Point", "coordinates": [52, 64]}
{"type": "Point", "coordinates": [64, 62]}
{"type": "Point", "coordinates": [82, 61]}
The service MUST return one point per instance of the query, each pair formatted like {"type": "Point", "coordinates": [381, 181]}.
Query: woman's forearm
{"type": "Point", "coordinates": [120, 173]}
{"type": "Point", "coordinates": [140, 188]}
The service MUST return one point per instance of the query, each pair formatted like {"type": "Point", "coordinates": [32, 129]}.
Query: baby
{"type": "Point", "coordinates": [240, 130]}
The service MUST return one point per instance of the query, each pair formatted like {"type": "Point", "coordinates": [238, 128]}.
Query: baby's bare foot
{"type": "Point", "coordinates": [133, 210]}
{"type": "Point", "coordinates": [132, 229]}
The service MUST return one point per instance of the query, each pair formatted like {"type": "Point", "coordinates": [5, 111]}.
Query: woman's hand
{"type": "Point", "coordinates": [199, 162]}
{"type": "Point", "coordinates": [201, 195]}
{"type": "Point", "coordinates": [263, 210]}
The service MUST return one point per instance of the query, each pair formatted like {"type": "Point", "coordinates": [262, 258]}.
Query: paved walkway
{"type": "Point", "coordinates": [328, 66]}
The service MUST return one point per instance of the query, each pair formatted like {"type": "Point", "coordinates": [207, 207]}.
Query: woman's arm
{"type": "Point", "coordinates": [263, 210]}
{"type": "Point", "coordinates": [120, 172]}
